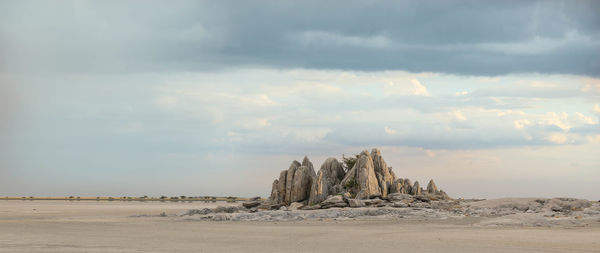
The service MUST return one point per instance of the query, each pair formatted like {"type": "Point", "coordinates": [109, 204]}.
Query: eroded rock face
{"type": "Point", "coordinates": [301, 184]}
{"type": "Point", "coordinates": [361, 179]}
{"type": "Point", "coordinates": [385, 177]}
{"type": "Point", "coordinates": [369, 178]}
{"type": "Point", "coordinates": [293, 184]}
{"type": "Point", "coordinates": [330, 175]}
{"type": "Point", "coordinates": [416, 189]}
{"type": "Point", "coordinates": [289, 180]}
{"type": "Point", "coordinates": [432, 188]}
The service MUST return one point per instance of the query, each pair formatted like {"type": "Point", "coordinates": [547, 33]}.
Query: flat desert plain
{"type": "Point", "coordinates": [103, 226]}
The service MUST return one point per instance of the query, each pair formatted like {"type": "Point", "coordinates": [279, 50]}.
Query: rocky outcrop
{"type": "Point", "coordinates": [361, 181]}
{"type": "Point", "coordinates": [366, 183]}
{"type": "Point", "coordinates": [416, 189]}
{"type": "Point", "coordinates": [301, 184]}
{"type": "Point", "coordinates": [330, 175]}
{"type": "Point", "coordinates": [294, 184]}
{"type": "Point", "coordinates": [432, 188]}
{"type": "Point", "coordinates": [385, 177]}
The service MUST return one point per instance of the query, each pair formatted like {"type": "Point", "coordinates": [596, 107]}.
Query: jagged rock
{"type": "Point", "coordinates": [432, 188]}
{"type": "Point", "coordinates": [301, 184]}
{"type": "Point", "coordinates": [394, 197]}
{"type": "Point", "coordinates": [385, 178]}
{"type": "Point", "coordinates": [416, 189]}
{"type": "Point", "coordinates": [373, 202]}
{"type": "Point", "coordinates": [295, 206]}
{"type": "Point", "coordinates": [356, 203]}
{"type": "Point", "coordinates": [406, 186]}
{"type": "Point", "coordinates": [327, 181]}
{"type": "Point", "coordinates": [289, 180]}
{"type": "Point", "coordinates": [369, 178]}
{"type": "Point", "coordinates": [396, 187]}
{"type": "Point", "coordinates": [281, 186]}
{"type": "Point", "coordinates": [334, 201]}
{"type": "Point", "coordinates": [307, 163]}
{"type": "Point", "coordinates": [251, 204]}
{"type": "Point", "coordinates": [274, 198]}
{"type": "Point", "coordinates": [361, 179]}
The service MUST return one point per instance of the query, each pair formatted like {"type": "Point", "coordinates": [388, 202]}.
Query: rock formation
{"type": "Point", "coordinates": [366, 183]}
{"type": "Point", "coordinates": [330, 175]}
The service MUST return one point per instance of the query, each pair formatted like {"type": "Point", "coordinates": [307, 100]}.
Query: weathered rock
{"type": "Point", "coordinates": [396, 186]}
{"type": "Point", "coordinates": [394, 197]}
{"type": "Point", "coordinates": [373, 202]}
{"type": "Point", "coordinates": [281, 186]}
{"type": "Point", "coordinates": [416, 189]}
{"type": "Point", "coordinates": [327, 181]}
{"type": "Point", "coordinates": [289, 181]}
{"type": "Point", "coordinates": [386, 178]}
{"type": "Point", "coordinates": [432, 188]}
{"type": "Point", "coordinates": [295, 206]}
{"type": "Point", "coordinates": [274, 198]}
{"type": "Point", "coordinates": [308, 163]}
{"type": "Point", "coordinates": [334, 201]}
{"type": "Point", "coordinates": [251, 204]}
{"type": "Point", "coordinates": [311, 207]}
{"type": "Point", "coordinates": [361, 180]}
{"type": "Point", "coordinates": [301, 184]}
{"type": "Point", "coordinates": [356, 203]}
{"type": "Point", "coordinates": [406, 186]}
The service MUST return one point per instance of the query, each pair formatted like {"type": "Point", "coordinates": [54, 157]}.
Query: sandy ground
{"type": "Point", "coordinates": [90, 226]}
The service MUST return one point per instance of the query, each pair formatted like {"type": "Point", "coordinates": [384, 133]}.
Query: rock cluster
{"type": "Point", "coordinates": [369, 180]}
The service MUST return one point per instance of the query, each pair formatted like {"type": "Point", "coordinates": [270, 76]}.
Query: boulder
{"type": "Point", "coordinates": [308, 163]}
{"type": "Point", "coordinates": [396, 187]}
{"type": "Point", "coordinates": [274, 198]}
{"type": "Point", "coordinates": [295, 206]}
{"type": "Point", "coordinates": [361, 179]}
{"type": "Point", "coordinates": [281, 186]}
{"type": "Point", "coordinates": [386, 177]}
{"type": "Point", "coordinates": [327, 181]}
{"type": "Point", "coordinates": [356, 203]}
{"type": "Point", "coordinates": [251, 204]}
{"type": "Point", "coordinates": [334, 201]}
{"type": "Point", "coordinates": [406, 186]}
{"type": "Point", "coordinates": [289, 180]}
{"type": "Point", "coordinates": [416, 189]}
{"type": "Point", "coordinates": [301, 184]}
{"type": "Point", "coordinates": [432, 188]}
{"type": "Point", "coordinates": [394, 197]}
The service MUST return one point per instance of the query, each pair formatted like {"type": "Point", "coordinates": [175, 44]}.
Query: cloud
{"type": "Point", "coordinates": [464, 39]}
{"type": "Point", "coordinates": [557, 138]}
{"type": "Point", "coordinates": [389, 131]}
{"type": "Point", "coordinates": [405, 89]}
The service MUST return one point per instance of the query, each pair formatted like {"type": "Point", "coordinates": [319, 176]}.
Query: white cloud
{"type": "Point", "coordinates": [521, 123]}
{"type": "Point", "coordinates": [585, 119]}
{"type": "Point", "coordinates": [389, 130]}
{"type": "Point", "coordinates": [457, 114]}
{"type": "Point", "coordinates": [597, 108]}
{"type": "Point", "coordinates": [557, 138]}
{"type": "Point", "coordinates": [405, 89]}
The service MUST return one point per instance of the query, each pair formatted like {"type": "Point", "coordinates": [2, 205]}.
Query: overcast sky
{"type": "Point", "coordinates": [490, 99]}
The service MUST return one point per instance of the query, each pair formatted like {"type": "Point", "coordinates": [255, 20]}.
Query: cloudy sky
{"type": "Point", "coordinates": [491, 99]}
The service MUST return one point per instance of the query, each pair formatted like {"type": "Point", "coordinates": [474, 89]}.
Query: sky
{"type": "Point", "coordinates": [126, 98]}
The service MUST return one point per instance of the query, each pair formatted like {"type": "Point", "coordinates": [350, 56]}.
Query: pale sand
{"type": "Point", "coordinates": [90, 226]}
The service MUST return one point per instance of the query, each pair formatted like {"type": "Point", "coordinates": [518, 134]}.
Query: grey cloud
{"type": "Point", "coordinates": [468, 37]}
